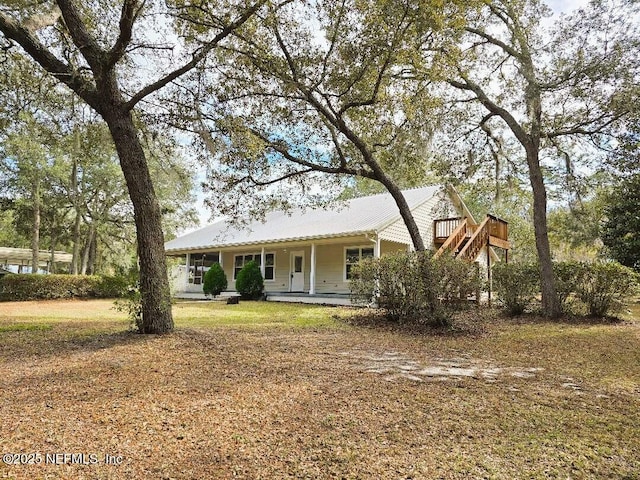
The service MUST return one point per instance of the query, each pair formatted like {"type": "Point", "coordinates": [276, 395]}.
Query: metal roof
{"type": "Point", "coordinates": [359, 215]}
{"type": "Point", "coordinates": [22, 256]}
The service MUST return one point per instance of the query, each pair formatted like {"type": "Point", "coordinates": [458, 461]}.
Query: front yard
{"type": "Point", "coordinates": [287, 391]}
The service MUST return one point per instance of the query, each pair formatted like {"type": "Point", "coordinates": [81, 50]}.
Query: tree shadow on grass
{"type": "Point", "coordinates": [62, 339]}
{"type": "Point", "coordinates": [471, 322]}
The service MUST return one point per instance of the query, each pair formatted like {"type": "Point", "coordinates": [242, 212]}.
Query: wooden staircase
{"type": "Point", "coordinates": [464, 239]}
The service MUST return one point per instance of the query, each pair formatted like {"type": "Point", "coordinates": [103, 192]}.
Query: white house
{"type": "Point", "coordinates": [309, 254]}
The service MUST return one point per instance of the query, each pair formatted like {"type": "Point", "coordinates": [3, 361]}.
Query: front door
{"type": "Point", "coordinates": [297, 271]}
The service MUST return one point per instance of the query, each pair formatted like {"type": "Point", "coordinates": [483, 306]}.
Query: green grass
{"type": "Point", "coordinates": [21, 327]}
{"type": "Point", "coordinates": [255, 314]}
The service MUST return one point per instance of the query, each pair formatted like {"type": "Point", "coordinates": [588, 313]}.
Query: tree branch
{"type": "Point", "coordinates": [128, 16]}
{"type": "Point", "coordinates": [60, 70]}
{"type": "Point", "coordinates": [197, 57]}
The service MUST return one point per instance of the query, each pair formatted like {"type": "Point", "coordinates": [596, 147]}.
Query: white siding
{"type": "Point", "coordinates": [439, 206]}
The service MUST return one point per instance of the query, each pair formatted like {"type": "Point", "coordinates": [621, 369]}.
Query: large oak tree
{"type": "Point", "coordinates": [100, 58]}
{"type": "Point", "coordinates": [553, 88]}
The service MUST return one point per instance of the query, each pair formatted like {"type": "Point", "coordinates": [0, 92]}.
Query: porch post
{"type": "Point", "coordinates": [262, 260]}
{"type": "Point", "coordinates": [376, 248]}
{"type": "Point", "coordinates": [220, 258]}
{"type": "Point", "coordinates": [186, 281]}
{"type": "Point", "coordinates": [312, 273]}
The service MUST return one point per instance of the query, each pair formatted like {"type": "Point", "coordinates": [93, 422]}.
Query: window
{"type": "Point", "coordinates": [199, 263]}
{"type": "Point", "coordinates": [240, 261]}
{"type": "Point", "coordinates": [353, 255]}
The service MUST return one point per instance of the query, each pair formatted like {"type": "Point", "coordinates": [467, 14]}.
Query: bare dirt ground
{"type": "Point", "coordinates": [529, 400]}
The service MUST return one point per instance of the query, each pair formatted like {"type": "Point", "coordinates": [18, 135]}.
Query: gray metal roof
{"type": "Point", "coordinates": [359, 215]}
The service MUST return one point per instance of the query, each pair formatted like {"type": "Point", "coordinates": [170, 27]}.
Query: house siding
{"type": "Point", "coordinates": [439, 206]}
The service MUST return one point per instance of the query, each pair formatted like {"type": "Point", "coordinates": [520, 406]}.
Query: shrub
{"type": "Point", "coordinates": [215, 280]}
{"type": "Point", "coordinates": [516, 284]}
{"type": "Point", "coordinates": [604, 286]}
{"type": "Point", "coordinates": [566, 276]}
{"type": "Point", "coordinates": [415, 286]}
{"type": "Point", "coordinates": [131, 304]}
{"type": "Point", "coordinates": [249, 282]}
{"type": "Point", "coordinates": [112, 286]}
{"type": "Point", "coordinates": [43, 287]}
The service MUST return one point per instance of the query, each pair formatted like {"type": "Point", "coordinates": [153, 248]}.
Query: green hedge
{"type": "Point", "coordinates": [40, 287]}
{"type": "Point", "coordinates": [598, 288]}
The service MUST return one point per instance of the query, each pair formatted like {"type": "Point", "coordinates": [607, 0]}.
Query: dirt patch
{"type": "Point", "coordinates": [395, 365]}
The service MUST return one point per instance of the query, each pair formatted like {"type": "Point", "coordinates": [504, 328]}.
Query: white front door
{"type": "Point", "coordinates": [297, 271]}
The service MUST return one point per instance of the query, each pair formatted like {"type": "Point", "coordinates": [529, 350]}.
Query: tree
{"type": "Point", "coordinates": [92, 62]}
{"type": "Point", "coordinates": [548, 90]}
{"type": "Point", "coordinates": [621, 229]}
{"type": "Point", "coordinates": [318, 91]}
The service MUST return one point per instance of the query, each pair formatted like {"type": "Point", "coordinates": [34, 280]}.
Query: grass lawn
{"type": "Point", "coordinates": [271, 391]}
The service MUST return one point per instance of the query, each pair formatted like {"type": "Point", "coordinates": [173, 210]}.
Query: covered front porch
{"type": "Point", "coordinates": [312, 272]}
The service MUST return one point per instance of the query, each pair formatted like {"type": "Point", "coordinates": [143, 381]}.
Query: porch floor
{"type": "Point", "coordinates": [293, 297]}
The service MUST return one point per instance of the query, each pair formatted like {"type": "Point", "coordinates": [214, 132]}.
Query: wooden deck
{"type": "Point", "coordinates": [466, 239]}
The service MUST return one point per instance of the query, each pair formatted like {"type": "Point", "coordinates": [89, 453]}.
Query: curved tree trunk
{"type": "Point", "coordinates": [405, 213]}
{"type": "Point", "coordinates": [154, 282]}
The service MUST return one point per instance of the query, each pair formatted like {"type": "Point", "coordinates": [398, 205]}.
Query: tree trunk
{"type": "Point", "coordinates": [91, 267]}
{"type": "Point", "coordinates": [550, 304]}
{"type": "Point", "coordinates": [75, 259]}
{"type": "Point", "coordinates": [154, 282]}
{"type": "Point", "coordinates": [52, 256]}
{"type": "Point", "coordinates": [405, 213]}
{"type": "Point", "coordinates": [87, 250]}
{"type": "Point", "coordinates": [35, 231]}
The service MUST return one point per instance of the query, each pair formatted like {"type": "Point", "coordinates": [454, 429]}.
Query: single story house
{"type": "Point", "coordinates": [308, 255]}
{"type": "Point", "coordinates": [21, 259]}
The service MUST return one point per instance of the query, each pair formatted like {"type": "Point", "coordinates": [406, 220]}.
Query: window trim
{"type": "Point", "coordinates": [258, 254]}
{"type": "Point", "coordinates": [344, 257]}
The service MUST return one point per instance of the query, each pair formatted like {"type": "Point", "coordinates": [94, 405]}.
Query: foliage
{"type": "Point", "coordinates": [567, 279]}
{"type": "Point", "coordinates": [39, 287]}
{"type": "Point", "coordinates": [303, 112]}
{"type": "Point", "coordinates": [621, 229]}
{"type": "Point", "coordinates": [415, 285]}
{"type": "Point", "coordinates": [131, 304]}
{"type": "Point", "coordinates": [516, 284]}
{"type": "Point", "coordinates": [600, 287]}
{"type": "Point", "coordinates": [604, 286]}
{"type": "Point", "coordinates": [526, 99]}
{"type": "Point", "coordinates": [215, 280]}
{"type": "Point", "coordinates": [249, 281]}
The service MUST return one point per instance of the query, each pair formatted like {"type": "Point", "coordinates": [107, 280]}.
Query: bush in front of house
{"type": "Point", "coordinates": [415, 286]}
{"type": "Point", "coordinates": [603, 286]}
{"type": "Point", "coordinates": [516, 285]}
{"type": "Point", "coordinates": [49, 287]}
{"type": "Point", "coordinates": [215, 280]}
{"type": "Point", "coordinates": [249, 281]}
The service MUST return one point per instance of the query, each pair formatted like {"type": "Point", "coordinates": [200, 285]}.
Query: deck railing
{"type": "Point", "coordinates": [450, 233]}
{"type": "Point", "coordinates": [444, 227]}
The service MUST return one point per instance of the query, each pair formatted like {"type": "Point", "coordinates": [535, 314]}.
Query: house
{"type": "Point", "coordinates": [308, 255]}
{"type": "Point", "coordinates": [21, 259]}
